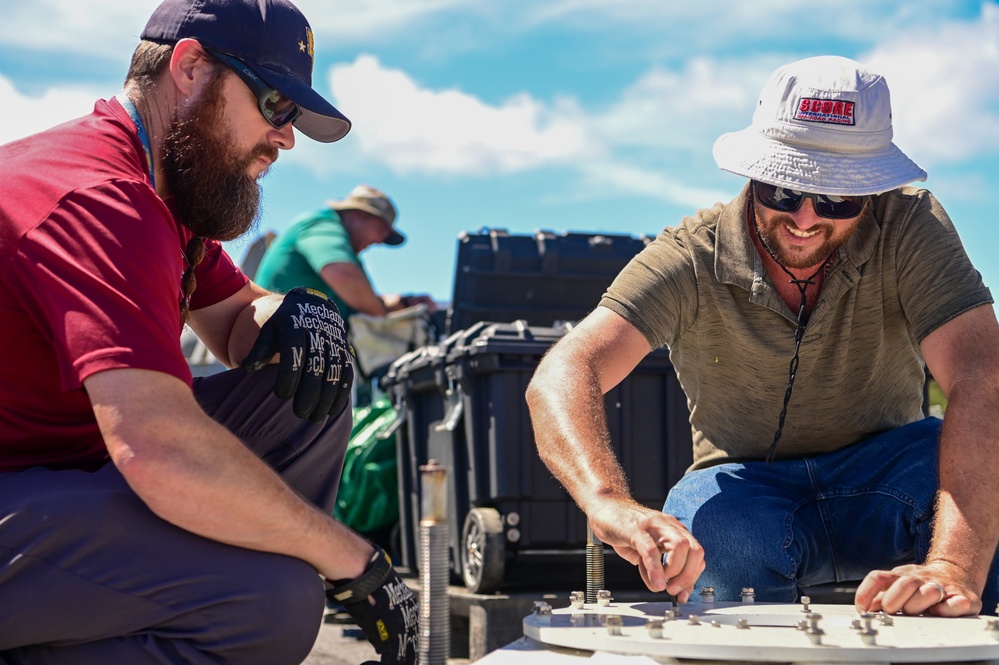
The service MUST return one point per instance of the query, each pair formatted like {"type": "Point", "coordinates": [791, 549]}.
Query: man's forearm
{"type": "Point", "coordinates": [214, 487]}
{"type": "Point", "coordinates": [194, 473]}
{"type": "Point", "coordinates": [246, 326]}
{"type": "Point", "coordinates": [966, 526]}
{"type": "Point", "coordinates": [230, 327]}
{"type": "Point", "coordinates": [570, 428]}
{"type": "Point", "coordinates": [566, 402]}
{"type": "Point", "coordinates": [351, 285]}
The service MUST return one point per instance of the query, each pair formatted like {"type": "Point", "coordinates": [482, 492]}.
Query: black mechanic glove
{"type": "Point", "coordinates": [316, 365]}
{"type": "Point", "coordinates": [392, 624]}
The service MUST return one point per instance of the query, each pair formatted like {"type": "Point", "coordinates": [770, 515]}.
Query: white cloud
{"type": "Point", "coordinates": [944, 79]}
{"type": "Point", "coordinates": [414, 129]}
{"type": "Point", "coordinates": [99, 28]}
{"type": "Point", "coordinates": [352, 21]}
{"type": "Point", "coordinates": [410, 128]}
{"type": "Point", "coordinates": [22, 115]}
{"type": "Point", "coordinates": [944, 84]}
{"type": "Point", "coordinates": [612, 178]}
{"type": "Point", "coordinates": [687, 109]}
{"type": "Point", "coordinates": [721, 21]}
{"type": "Point", "coordinates": [110, 28]}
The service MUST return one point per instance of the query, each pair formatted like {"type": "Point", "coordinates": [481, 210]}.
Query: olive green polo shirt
{"type": "Point", "coordinates": [701, 288]}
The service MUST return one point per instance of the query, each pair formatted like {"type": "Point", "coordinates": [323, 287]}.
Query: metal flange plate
{"type": "Point", "coordinates": [766, 632]}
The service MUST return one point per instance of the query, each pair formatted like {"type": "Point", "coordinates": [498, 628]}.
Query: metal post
{"type": "Point", "coordinates": [594, 564]}
{"type": "Point", "coordinates": [435, 610]}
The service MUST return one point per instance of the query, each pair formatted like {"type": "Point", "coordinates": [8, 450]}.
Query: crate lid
{"type": "Point", "coordinates": [517, 337]}
{"type": "Point", "coordinates": [541, 278]}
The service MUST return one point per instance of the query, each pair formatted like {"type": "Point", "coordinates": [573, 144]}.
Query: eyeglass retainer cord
{"type": "Point", "coordinates": [799, 331]}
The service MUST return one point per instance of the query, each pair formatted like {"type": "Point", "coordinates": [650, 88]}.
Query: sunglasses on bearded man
{"type": "Point", "coordinates": [277, 109]}
{"type": "Point", "coordinates": [830, 206]}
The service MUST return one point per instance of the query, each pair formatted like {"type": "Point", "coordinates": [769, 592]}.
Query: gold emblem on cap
{"type": "Point", "coordinates": [311, 42]}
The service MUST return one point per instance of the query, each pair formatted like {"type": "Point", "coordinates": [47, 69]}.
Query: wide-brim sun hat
{"type": "Point", "coordinates": [822, 125]}
{"type": "Point", "coordinates": [271, 37]}
{"type": "Point", "coordinates": [374, 202]}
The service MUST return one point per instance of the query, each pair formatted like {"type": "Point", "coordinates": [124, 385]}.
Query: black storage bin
{"type": "Point", "coordinates": [542, 278]}
{"type": "Point", "coordinates": [414, 383]}
{"type": "Point", "coordinates": [501, 495]}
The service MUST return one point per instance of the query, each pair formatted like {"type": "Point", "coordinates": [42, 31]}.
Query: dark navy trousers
{"type": "Point", "coordinates": [88, 574]}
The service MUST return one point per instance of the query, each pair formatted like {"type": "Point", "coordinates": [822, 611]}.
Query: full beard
{"type": "Point", "coordinates": [213, 194]}
{"type": "Point", "coordinates": [770, 235]}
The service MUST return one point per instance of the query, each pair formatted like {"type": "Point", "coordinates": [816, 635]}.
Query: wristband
{"type": "Point", "coordinates": [348, 592]}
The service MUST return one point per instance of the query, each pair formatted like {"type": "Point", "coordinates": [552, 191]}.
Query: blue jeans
{"type": "Point", "coordinates": [829, 518]}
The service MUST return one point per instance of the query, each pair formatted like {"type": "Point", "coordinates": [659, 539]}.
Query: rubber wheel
{"type": "Point", "coordinates": [483, 552]}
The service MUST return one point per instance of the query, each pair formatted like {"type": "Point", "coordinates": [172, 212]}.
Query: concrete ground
{"type": "Point", "coordinates": [333, 647]}
{"type": "Point", "coordinates": [341, 642]}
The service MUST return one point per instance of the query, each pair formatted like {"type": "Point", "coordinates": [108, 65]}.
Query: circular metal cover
{"type": "Point", "coordinates": [774, 634]}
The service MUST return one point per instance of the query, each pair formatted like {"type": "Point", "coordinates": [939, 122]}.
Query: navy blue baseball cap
{"type": "Point", "coordinates": [271, 37]}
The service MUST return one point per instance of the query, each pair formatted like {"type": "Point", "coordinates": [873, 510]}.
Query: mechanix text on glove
{"type": "Point", "coordinates": [392, 624]}
{"type": "Point", "coordinates": [316, 365]}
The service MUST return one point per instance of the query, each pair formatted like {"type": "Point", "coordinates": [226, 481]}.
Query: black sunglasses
{"type": "Point", "coordinates": [277, 109]}
{"type": "Point", "coordinates": [785, 199]}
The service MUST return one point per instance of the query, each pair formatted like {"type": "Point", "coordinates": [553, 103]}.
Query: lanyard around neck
{"type": "Point", "coordinates": [133, 113]}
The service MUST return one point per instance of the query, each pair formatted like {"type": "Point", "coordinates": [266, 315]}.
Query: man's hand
{"type": "Point", "coordinates": [642, 536]}
{"type": "Point", "coordinates": [384, 608]}
{"type": "Point", "coordinates": [939, 588]}
{"type": "Point", "coordinates": [315, 365]}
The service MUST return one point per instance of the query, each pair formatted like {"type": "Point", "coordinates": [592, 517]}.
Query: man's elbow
{"type": "Point", "coordinates": [146, 474]}
{"type": "Point", "coordinates": [533, 394]}
{"type": "Point", "coordinates": [540, 389]}
{"type": "Point", "coordinates": [159, 471]}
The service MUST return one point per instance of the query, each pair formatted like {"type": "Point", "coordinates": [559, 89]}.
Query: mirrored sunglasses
{"type": "Point", "coordinates": [277, 109]}
{"type": "Point", "coordinates": [785, 199]}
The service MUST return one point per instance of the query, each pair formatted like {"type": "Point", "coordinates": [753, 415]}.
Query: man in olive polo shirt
{"type": "Point", "coordinates": [800, 317]}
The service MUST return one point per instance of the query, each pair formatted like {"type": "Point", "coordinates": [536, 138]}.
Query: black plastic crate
{"type": "Point", "coordinates": [414, 383]}
{"type": "Point", "coordinates": [500, 491]}
{"type": "Point", "coordinates": [543, 278]}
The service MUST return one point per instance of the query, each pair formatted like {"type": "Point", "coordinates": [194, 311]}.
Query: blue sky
{"type": "Point", "coordinates": [564, 115]}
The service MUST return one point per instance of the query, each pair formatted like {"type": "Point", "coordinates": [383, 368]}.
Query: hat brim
{"type": "Point", "coordinates": [320, 120]}
{"type": "Point", "coordinates": [394, 239]}
{"type": "Point", "coordinates": [757, 157]}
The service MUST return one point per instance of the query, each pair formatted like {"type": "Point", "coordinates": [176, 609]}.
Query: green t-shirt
{"type": "Point", "coordinates": [701, 289]}
{"type": "Point", "coordinates": [296, 256]}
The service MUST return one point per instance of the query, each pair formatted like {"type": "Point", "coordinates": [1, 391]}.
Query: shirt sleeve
{"type": "Point", "coordinates": [218, 277]}
{"type": "Point", "coordinates": [657, 290]}
{"type": "Point", "coordinates": [936, 279]}
{"type": "Point", "coordinates": [101, 277]}
{"type": "Point", "coordinates": [325, 242]}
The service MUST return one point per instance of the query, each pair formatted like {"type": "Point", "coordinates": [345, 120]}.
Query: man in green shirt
{"type": "Point", "coordinates": [321, 251]}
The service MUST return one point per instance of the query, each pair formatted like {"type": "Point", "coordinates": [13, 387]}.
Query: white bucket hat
{"type": "Point", "coordinates": [821, 125]}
